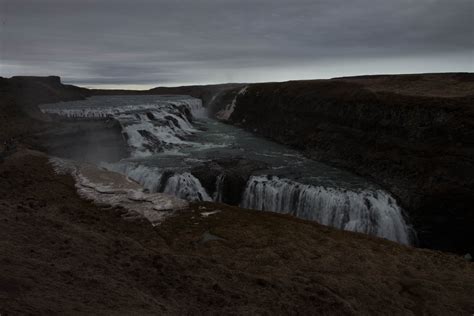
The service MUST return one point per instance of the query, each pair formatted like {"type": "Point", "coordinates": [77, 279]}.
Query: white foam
{"type": "Point", "coordinates": [229, 108]}
{"type": "Point", "coordinates": [371, 212]}
{"type": "Point", "coordinates": [183, 185]}
{"type": "Point", "coordinates": [187, 187]}
{"type": "Point", "coordinates": [148, 128]}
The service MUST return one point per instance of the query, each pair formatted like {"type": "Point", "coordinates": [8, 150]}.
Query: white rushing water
{"type": "Point", "coordinates": [371, 212]}
{"type": "Point", "coordinates": [147, 128]}
{"type": "Point", "coordinates": [186, 186]}
{"type": "Point", "coordinates": [218, 195]}
{"type": "Point", "coordinates": [183, 185]}
{"type": "Point", "coordinates": [229, 108]}
{"type": "Point", "coordinates": [165, 146]}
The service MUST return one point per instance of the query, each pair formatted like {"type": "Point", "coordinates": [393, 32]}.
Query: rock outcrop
{"type": "Point", "coordinates": [28, 92]}
{"type": "Point", "coordinates": [230, 174]}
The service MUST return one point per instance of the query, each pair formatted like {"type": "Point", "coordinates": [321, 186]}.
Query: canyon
{"type": "Point", "coordinates": [409, 136]}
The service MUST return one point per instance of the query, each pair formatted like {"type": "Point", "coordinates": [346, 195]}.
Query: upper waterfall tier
{"type": "Point", "coordinates": [99, 107]}
{"type": "Point", "coordinates": [154, 124]}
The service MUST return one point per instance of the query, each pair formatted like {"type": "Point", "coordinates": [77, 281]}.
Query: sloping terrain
{"type": "Point", "coordinates": [61, 254]}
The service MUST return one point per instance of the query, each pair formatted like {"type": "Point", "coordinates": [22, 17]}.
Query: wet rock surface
{"type": "Point", "coordinates": [234, 172]}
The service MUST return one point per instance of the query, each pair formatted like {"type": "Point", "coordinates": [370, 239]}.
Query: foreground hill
{"type": "Point", "coordinates": [61, 254]}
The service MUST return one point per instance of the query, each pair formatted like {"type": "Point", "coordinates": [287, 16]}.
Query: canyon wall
{"type": "Point", "coordinates": [413, 134]}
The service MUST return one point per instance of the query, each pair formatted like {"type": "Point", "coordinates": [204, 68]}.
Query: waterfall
{"type": "Point", "coordinates": [371, 212]}
{"type": "Point", "coordinates": [217, 197]}
{"type": "Point", "coordinates": [183, 185]}
{"type": "Point", "coordinates": [154, 131]}
{"type": "Point", "coordinates": [187, 187]}
{"type": "Point", "coordinates": [147, 128]}
{"type": "Point", "coordinates": [149, 178]}
{"type": "Point", "coordinates": [229, 108]}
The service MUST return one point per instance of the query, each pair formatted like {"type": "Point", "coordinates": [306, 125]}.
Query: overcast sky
{"type": "Point", "coordinates": [145, 43]}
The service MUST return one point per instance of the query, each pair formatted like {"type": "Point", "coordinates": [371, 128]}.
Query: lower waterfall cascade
{"type": "Point", "coordinates": [371, 212]}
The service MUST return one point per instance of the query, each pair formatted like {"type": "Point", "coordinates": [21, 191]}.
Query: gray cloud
{"type": "Point", "coordinates": [187, 41]}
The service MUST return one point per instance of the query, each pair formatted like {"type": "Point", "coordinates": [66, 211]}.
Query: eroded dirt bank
{"type": "Point", "coordinates": [413, 134]}
{"type": "Point", "coordinates": [64, 255]}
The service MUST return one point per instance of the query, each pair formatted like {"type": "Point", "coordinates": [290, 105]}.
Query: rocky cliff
{"type": "Point", "coordinates": [413, 134]}
{"type": "Point", "coordinates": [19, 97]}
